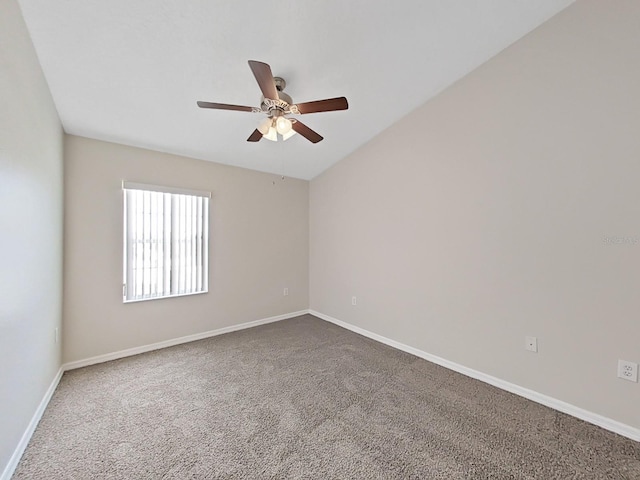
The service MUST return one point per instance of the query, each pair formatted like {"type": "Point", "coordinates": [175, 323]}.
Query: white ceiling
{"type": "Point", "coordinates": [131, 71]}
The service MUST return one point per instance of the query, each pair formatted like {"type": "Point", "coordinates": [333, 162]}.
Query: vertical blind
{"type": "Point", "coordinates": [166, 241]}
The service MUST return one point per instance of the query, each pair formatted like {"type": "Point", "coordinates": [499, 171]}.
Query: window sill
{"type": "Point", "coordinates": [136, 300]}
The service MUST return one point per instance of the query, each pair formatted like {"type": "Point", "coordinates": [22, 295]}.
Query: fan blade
{"type": "Point", "coordinates": [306, 132]}
{"type": "Point", "coordinates": [264, 77]}
{"type": "Point", "coordinates": [256, 136]}
{"type": "Point", "coordinates": [329, 105]}
{"type": "Point", "coordinates": [224, 106]}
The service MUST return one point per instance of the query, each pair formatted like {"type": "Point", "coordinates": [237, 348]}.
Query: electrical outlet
{"type": "Point", "coordinates": [286, 292]}
{"type": "Point", "coordinates": [354, 301]}
{"type": "Point", "coordinates": [57, 334]}
{"type": "Point", "coordinates": [628, 370]}
{"type": "Point", "coordinates": [531, 344]}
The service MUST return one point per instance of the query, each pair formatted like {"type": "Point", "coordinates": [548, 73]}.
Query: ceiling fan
{"type": "Point", "coordinates": [277, 104]}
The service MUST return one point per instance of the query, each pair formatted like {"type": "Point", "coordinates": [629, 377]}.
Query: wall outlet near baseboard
{"type": "Point", "coordinates": [354, 301]}
{"type": "Point", "coordinates": [56, 334]}
{"type": "Point", "coordinates": [531, 344]}
{"type": "Point", "coordinates": [628, 370]}
{"type": "Point", "coordinates": [285, 292]}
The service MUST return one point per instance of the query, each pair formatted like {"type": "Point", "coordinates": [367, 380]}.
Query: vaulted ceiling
{"type": "Point", "coordinates": [131, 71]}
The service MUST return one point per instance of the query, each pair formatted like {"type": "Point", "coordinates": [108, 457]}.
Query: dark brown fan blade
{"type": "Point", "coordinates": [328, 105]}
{"type": "Point", "coordinates": [264, 77]}
{"type": "Point", "coordinates": [256, 136]}
{"type": "Point", "coordinates": [224, 106]}
{"type": "Point", "coordinates": [306, 132]}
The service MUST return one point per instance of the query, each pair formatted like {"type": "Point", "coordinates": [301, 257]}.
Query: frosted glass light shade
{"type": "Point", "coordinates": [288, 135]}
{"type": "Point", "coordinates": [283, 125]}
{"type": "Point", "coordinates": [272, 134]}
{"type": "Point", "coordinates": [263, 128]}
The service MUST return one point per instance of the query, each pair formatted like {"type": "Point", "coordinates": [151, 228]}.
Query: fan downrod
{"type": "Point", "coordinates": [280, 83]}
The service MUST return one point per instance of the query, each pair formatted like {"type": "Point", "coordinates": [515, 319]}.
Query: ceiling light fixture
{"type": "Point", "coordinates": [288, 135]}
{"type": "Point", "coordinates": [271, 134]}
{"type": "Point", "coordinates": [283, 125]}
{"type": "Point", "coordinates": [272, 126]}
{"type": "Point", "coordinates": [264, 126]}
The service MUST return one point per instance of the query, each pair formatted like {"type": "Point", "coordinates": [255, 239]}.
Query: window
{"type": "Point", "coordinates": [166, 242]}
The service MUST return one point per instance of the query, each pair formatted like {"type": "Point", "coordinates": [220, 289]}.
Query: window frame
{"type": "Point", "coordinates": [126, 255]}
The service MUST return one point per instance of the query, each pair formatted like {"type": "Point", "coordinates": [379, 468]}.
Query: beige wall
{"type": "Point", "coordinates": [31, 231]}
{"type": "Point", "coordinates": [258, 246]}
{"type": "Point", "coordinates": [480, 218]}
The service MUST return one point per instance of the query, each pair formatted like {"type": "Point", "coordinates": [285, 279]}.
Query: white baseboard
{"type": "Point", "coordinates": [175, 341]}
{"type": "Point", "coordinates": [593, 418]}
{"type": "Point", "coordinates": [26, 436]}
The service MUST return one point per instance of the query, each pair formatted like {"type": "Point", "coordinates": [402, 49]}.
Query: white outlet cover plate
{"type": "Point", "coordinates": [628, 370]}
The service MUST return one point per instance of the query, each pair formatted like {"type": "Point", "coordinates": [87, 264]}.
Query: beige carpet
{"type": "Point", "coordinates": [303, 398]}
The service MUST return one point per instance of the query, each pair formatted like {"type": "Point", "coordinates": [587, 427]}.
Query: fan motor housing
{"type": "Point", "coordinates": [272, 105]}
{"type": "Point", "coordinates": [277, 103]}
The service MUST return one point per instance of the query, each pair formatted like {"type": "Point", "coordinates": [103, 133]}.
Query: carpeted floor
{"type": "Point", "coordinates": [303, 398]}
